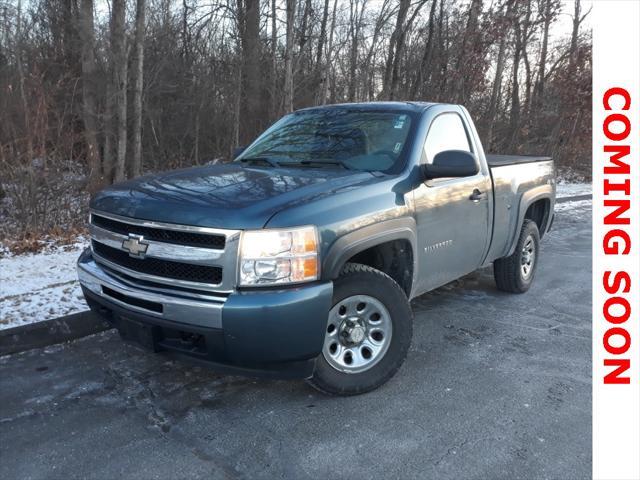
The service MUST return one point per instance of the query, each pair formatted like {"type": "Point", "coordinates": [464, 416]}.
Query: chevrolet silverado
{"type": "Point", "coordinates": [298, 259]}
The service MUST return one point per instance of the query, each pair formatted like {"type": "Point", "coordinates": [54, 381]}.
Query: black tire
{"type": "Point", "coordinates": [508, 271]}
{"type": "Point", "coordinates": [357, 279]}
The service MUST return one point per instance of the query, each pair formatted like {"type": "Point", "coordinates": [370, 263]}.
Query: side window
{"type": "Point", "coordinates": [447, 132]}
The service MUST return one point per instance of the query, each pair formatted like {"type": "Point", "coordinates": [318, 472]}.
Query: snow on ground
{"type": "Point", "coordinates": [568, 206]}
{"type": "Point", "coordinates": [36, 287]}
{"type": "Point", "coordinates": [564, 189]}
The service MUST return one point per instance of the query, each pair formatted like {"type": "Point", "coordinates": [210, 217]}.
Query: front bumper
{"type": "Point", "coordinates": [259, 332]}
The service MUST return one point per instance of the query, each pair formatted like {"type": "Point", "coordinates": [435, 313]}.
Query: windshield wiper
{"type": "Point", "coordinates": [267, 160]}
{"type": "Point", "coordinates": [319, 163]}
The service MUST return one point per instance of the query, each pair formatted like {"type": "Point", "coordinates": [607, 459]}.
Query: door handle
{"type": "Point", "coordinates": [476, 196]}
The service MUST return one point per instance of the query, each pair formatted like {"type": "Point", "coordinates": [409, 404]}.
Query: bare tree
{"type": "Point", "coordinates": [521, 29]}
{"type": "Point", "coordinates": [251, 71]}
{"type": "Point", "coordinates": [89, 102]}
{"type": "Point", "coordinates": [368, 72]}
{"type": "Point", "coordinates": [427, 56]}
{"type": "Point", "coordinates": [548, 11]}
{"type": "Point", "coordinates": [325, 81]}
{"type": "Point", "coordinates": [119, 65]}
{"type": "Point", "coordinates": [288, 58]}
{"type": "Point", "coordinates": [356, 13]}
{"type": "Point", "coordinates": [322, 37]}
{"type": "Point", "coordinates": [274, 60]}
{"type": "Point", "coordinates": [577, 20]}
{"type": "Point", "coordinates": [136, 159]}
{"type": "Point", "coordinates": [396, 47]}
{"type": "Point", "coordinates": [469, 44]}
{"type": "Point", "coordinates": [403, 9]}
{"type": "Point", "coordinates": [505, 22]}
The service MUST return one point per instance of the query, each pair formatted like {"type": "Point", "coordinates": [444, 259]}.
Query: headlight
{"type": "Point", "coordinates": [278, 256]}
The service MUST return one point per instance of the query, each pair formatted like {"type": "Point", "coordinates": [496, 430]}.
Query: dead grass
{"type": "Point", "coordinates": [36, 242]}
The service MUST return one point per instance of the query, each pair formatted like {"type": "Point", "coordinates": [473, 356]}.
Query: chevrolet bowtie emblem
{"type": "Point", "coordinates": [135, 246]}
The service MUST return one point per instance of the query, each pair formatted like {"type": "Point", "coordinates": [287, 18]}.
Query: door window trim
{"type": "Point", "coordinates": [464, 127]}
{"type": "Point", "coordinates": [436, 182]}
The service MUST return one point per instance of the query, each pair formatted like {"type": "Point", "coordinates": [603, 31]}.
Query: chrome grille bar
{"type": "Point", "coordinates": [167, 251]}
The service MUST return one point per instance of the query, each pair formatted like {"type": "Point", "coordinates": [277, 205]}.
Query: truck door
{"type": "Point", "coordinates": [453, 214]}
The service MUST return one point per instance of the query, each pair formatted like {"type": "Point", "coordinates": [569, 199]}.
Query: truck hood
{"type": "Point", "coordinates": [223, 196]}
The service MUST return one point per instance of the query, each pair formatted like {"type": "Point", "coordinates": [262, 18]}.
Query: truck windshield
{"type": "Point", "coordinates": [352, 139]}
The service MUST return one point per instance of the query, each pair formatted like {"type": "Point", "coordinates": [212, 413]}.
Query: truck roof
{"type": "Point", "coordinates": [403, 106]}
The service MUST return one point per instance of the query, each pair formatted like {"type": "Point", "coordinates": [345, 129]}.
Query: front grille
{"type": "Point", "coordinates": [158, 286]}
{"type": "Point", "coordinates": [158, 267]}
{"type": "Point", "coordinates": [177, 237]}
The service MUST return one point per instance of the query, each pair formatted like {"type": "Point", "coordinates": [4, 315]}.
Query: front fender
{"type": "Point", "coordinates": [359, 240]}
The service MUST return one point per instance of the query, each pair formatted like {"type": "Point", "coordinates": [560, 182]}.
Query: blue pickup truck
{"type": "Point", "coordinates": [299, 258]}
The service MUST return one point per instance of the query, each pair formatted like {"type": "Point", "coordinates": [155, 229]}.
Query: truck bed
{"type": "Point", "coordinates": [502, 160]}
{"type": "Point", "coordinates": [514, 176]}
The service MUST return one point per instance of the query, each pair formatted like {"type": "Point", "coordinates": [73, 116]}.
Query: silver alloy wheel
{"type": "Point", "coordinates": [528, 257]}
{"type": "Point", "coordinates": [358, 334]}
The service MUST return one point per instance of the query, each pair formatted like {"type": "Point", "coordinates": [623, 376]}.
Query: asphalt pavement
{"type": "Point", "coordinates": [495, 386]}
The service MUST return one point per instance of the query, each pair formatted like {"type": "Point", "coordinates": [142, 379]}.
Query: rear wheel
{"type": "Point", "coordinates": [368, 333]}
{"type": "Point", "coordinates": [515, 273]}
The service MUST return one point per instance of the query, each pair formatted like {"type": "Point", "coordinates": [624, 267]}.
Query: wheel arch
{"type": "Point", "coordinates": [395, 241]}
{"type": "Point", "coordinates": [536, 204]}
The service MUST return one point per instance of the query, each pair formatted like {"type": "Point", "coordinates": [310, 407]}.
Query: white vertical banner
{"type": "Point", "coordinates": [616, 239]}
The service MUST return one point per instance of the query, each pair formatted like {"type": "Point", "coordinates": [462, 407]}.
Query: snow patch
{"type": "Point", "coordinates": [572, 189]}
{"type": "Point", "coordinates": [569, 206]}
{"type": "Point", "coordinates": [42, 286]}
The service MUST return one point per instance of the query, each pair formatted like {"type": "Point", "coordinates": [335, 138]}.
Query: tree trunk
{"type": "Point", "coordinates": [514, 117]}
{"type": "Point", "coordinates": [573, 49]}
{"type": "Point", "coordinates": [528, 81]}
{"type": "Point", "coordinates": [302, 41]}
{"type": "Point", "coordinates": [107, 125]}
{"type": "Point", "coordinates": [367, 70]}
{"type": "Point", "coordinates": [538, 89]}
{"type": "Point", "coordinates": [23, 94]}
{"type": "Point", "coordinates": [89, 108]}
{"type": "Point", "coordinates": [250, 113]}
{"type": "Point", "coordinates": [526, 34]}
{"type": "Point", "coordinates": [443, 48]}
{"type": "Point", "coordinates": [274, 62]}
{"type": "Point", "coordinates": [317, 64]}
{"type": "Point", "coordinates": [186, 41]}
{"type": "Point", "coordinates": [325, 82]}
{"type": "Point", "coordinates": [403, 9]}
{"type": "Point", "coordinates": [468, 42]}
{"type": "Point", "coordinates": [418, 88]}
{"type": "Point", "coordinates": [495, 90]}
{"type": "Point", "coordinates": [119, 49]}
{"type": "Point", "coordinates": [236, 109]}
{"type": "Point", "coordinates": [323, 35]}
{"type": "Point", "coordinates": [288, 58]}
{"type": "Point", "coordinates": [354, 34]}
{"type": "Point", "coordinates": [397, 58]}
{"type": "Point", "coordinates": [136, 160]}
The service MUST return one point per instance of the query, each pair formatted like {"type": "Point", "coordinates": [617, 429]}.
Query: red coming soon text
{"type": "Point", "coordinates": [617, 241]}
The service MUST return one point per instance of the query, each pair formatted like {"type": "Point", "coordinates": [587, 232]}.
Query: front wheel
{"type": "Point", "coordinates": [368, 334]}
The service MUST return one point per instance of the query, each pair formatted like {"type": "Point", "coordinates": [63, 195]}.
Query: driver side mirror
{"type": "Point", "coordinates": [450, 163]}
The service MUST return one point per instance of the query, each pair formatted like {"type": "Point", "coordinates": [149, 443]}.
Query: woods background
{"type": "Point", "coordinates": [93, 92]}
